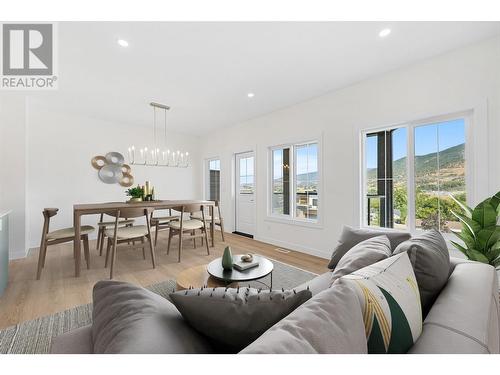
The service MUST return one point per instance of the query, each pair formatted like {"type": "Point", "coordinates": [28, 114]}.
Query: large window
{"type": "Point", "coordinates": [295, 181]}
{"type": "Point", "coordinates": [414, 193]}
{"type": "Point", "coordinates": [213, 182]}
{"type": "Point", "coordinates": [247, 183]}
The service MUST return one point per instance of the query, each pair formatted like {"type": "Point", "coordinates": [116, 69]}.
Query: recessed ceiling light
{"type": "Point", "coordinates": [250, 94]}
{"type": "Point", "coordinates": [122, 42]}
{"type": "Point", "coordinates": [384, 33]}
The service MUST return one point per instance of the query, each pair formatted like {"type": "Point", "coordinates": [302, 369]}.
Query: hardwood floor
{"type": "Point", "coordinates": [26, 298]}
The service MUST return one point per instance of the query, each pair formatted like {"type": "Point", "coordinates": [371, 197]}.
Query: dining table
{"type": "Point", "coordinates": [80, 210]}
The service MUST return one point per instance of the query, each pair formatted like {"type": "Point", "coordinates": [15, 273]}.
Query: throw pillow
{"type": "Point", "coordinates": [351, 237]}
{"type": "Point", "coordinates": [236, 317]}
{"type": "Point", "coordinates": [430, 259]}
{"type": "Point", "coordinates": [130, 319]}
{"type": "Point", "coordinates": [329, 323]}
{"type": "Point", "coordinates": [390, 303]}
{"type": "Point", "coordinates": [362, 255]}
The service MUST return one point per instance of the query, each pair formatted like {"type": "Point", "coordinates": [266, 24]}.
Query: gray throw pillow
{"type": "Point", "coordinates": [130, 319]}
{"type": "Point", "coordinates": [352, 236]}
{"type": "Point", "coordinates": [236, 317]}
{"type": "Point", "coordinates": [362, 255]}
{"type": "Point", "coordinates": [430, 259]}
{"type": "Point", "coordinates": [331, 322]}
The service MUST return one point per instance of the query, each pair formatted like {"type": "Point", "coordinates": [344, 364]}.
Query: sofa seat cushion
{"type": "Point", "coordinates": [362, 255]}
{"type": "Point", "coordinates": [352, 236]}
{"type": "Point", "coordinates": [430, 259]}
{"type": "Point", "coordinates": [389, 299]}
{"type": "Point", "coordinates": [329, 323]}
{"type": "Point", "coordinates": [130, 319]}
{"type": "Point", "coordinates": [236, 317]}
{"type": "Point", "coordinates": [464, 317]}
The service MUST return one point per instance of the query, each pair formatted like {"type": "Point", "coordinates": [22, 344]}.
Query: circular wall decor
{"type": "Point", "coordinates": [127, 180]}
{"type": "Point", "coordinates": [98, 162]}
{"type": "Point", "coordinates": [112, 170]}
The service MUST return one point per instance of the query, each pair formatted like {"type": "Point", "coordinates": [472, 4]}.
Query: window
{"type": "Point", "coordinates": [436, 169]}
{"type": "Point", "coordinates": [295, 181]}
{"type": "Point", "coordinates": [246, 175]}
{"type": "Point", "coordinates": [214, 179]}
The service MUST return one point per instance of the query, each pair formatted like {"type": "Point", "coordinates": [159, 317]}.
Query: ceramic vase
{"type": "Point", "coordinates": [227, 259]}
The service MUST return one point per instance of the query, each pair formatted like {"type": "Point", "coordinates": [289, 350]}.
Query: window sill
{"type": "Point", "coordinates": [296, 222]}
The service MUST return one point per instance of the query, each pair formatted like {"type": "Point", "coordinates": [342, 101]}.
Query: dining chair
{"type": "Point", "coordinates": [60, 236]}
{"type": "Point", "coordinates": [218, 220]}
{"type": "Point", "coordinates": [121, 235]}
{"type": "Point", "coordinates": [103, 225]}
{"type": "Point", "coordinates": [182, 226]}
{"type": "Point", "coordinates": [160, 223]}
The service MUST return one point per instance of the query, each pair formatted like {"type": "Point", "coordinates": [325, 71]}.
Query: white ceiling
{"type": "Point", "coordinates": [205, 70]}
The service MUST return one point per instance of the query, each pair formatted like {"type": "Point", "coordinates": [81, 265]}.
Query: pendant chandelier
{"type": "Point", "coordinates": [153, 156]}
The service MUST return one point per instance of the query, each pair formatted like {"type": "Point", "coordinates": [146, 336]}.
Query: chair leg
{"type": "Point", "coordinates": [170, 234]}
{"type": "Point", "coordinates": [222, 229]}
{"type": "Point", "coordinates": [41, 258]}
{"type": "Point", "coordinates": [113, 258]}
{"type": "Point", "coordinates": [157, 226]}
{"type": "Point", "coordinates": [152, 250]}
{"type": "Point", "coordinates": [101, 244]}
{"type": "Point", "coordinates": [180, 246]}
{"type": "Point", "coordinates": [143, 249]}
{"type": "Point", "coordinates": [108, 248]}
{"type": "Point", "coordinates": [193, 232]}
{"type": "Point", "coordinates": [86, 250]}
{"type": "Point", "coordinates": [99, 239]}
{"type": "Point", "coordinates": [206, 240]}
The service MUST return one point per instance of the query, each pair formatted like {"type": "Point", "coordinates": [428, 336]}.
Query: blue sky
{"type": "Point", "coordinates": [451, 133]}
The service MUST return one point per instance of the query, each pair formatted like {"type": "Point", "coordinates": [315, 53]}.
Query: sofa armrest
{"type": "Point", "coordinates": [78, 341]}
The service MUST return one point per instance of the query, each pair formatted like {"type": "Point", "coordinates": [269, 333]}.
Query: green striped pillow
{"type": "Point", "coordinates": [390, 302]}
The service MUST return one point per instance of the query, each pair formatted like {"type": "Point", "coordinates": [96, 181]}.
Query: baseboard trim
{"type": "Point", "coordinates": [243, 234]}
{"type": "Point", "coordinates": [292, 246]}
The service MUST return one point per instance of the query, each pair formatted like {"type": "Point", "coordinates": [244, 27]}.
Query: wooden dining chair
{"type": "Point", "coordinates": [126, 235]}
{"type": "Point", "coordinates": [190, 226]}
{"type": "Point", "coordinates": [218, 220]}
{"type": "Point", "coordinates": [60, 236]}
{"type": "Point", "coordinates": [104, 225]}
{"type": "Point", "coordinates": [161, 223]}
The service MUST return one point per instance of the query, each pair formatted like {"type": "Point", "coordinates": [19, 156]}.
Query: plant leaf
{"type": "Point", "coordinates": [484, 214]}
{"type": "Point", "coordinates": [466, 238]}
{"type": "Point", "coordinates": [493, 254]}
{"type": "Point", "coordinates": [471, 225]}
{"type": "Point", "coordinates": [468, 211]}
{"type": "Point", "coordinates": [460, 247]}
{"type": "Point", "coordinates": [482, 239]}
{"type": "Point", "coordinates": [477, 256]}
{"type": "Point", "coordinates": [495, 201]}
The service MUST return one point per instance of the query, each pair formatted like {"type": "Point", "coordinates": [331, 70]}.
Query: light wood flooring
{"type": "Point", "coordinates": [26, 298]}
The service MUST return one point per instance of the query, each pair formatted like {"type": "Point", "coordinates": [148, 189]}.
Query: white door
{"type": "Point", "coordinates": [245, 193]}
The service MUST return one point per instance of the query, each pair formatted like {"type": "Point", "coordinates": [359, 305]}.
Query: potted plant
{"type": "Point", "coordinates": [480, 232]}
{"type": "Point", "coordinates": [135, 194]}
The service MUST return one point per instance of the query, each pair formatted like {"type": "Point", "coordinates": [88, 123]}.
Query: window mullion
{"type": "Point", "coordinates": [410, 167]}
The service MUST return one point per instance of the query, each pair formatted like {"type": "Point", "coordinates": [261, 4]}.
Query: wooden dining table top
{"type": "Point", "coordinates": [160, 204]}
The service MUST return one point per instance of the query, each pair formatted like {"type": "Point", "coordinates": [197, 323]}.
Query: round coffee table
{"type": "Point", "coordinates": [264, 268]}
{"type": "Point", "coordinates": [213, 275]}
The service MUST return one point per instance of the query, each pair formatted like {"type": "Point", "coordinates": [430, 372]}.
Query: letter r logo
{"type": "Point", "coordinates": [27, 49]}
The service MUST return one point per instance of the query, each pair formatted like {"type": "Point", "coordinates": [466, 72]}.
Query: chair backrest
{"type": "Point", "coordinates": [47, 214]}
{"type": "Point", "coordinates": [217, 204]}
{"type": "Point", "coordinates": [131, 212]}
{"type": "Point", "coordinates": [192, 208]}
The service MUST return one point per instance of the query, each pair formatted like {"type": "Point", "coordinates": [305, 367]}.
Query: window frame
{"type": "Point", "coordinates": [207, 176]}
{"type": "Point", "coordinates": [410, 126]}
{"type": "Point", "coordinates": [291, 218]}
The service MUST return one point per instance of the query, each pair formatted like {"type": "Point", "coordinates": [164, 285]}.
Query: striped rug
{"type": "Point", "coordinates": [35, 336]}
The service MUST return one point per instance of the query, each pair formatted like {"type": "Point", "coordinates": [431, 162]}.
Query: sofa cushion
{"type": "Point", "coordinates": [318, 284]}
{"type": "Point", "coordinates": [464, 317]}
{"type": "Point", "coordinates": [430, 259]}
{"type": "Point", "coordinates": [351, 237]}
{"type": "Point", "coordinates": [77, 341]}
{"type": "Point", "coordinates": [389, 299]}
{"type": "Point", "coordinates": [362, 255]}
{"type": "Point", "coordinates": [236, 317]}
{"type": "Point", "coordinates": [131, 319]}
{"type": "Point", "coordinates": [330, 322]}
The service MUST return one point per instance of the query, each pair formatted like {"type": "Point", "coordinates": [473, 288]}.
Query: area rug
{"type": "Point", "coordinates": [35, 336]}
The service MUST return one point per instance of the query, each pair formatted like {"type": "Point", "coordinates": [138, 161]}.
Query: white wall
{"type": "Point", "coordinates": [13, 169]}
{"type": "Point", "coordinates": [460, 80]}
{"type": "Point", "coordinates": [60, 147]}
